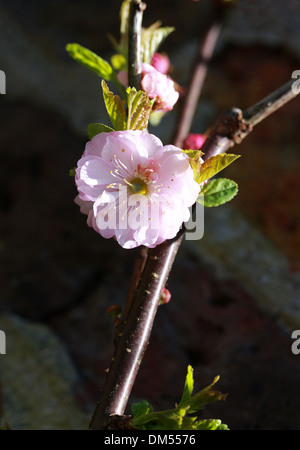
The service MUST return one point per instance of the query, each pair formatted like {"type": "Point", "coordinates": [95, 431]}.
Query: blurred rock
{"type": "Point", "coordinates": [37, 379]}
{"type": "Point", "coordinates": [253, 260]}
{"type": "Point", "coordinates": [272, 22]}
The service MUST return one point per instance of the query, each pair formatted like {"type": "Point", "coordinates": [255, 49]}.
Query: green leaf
{"type": "Point", "coordinates": [179, 418]}
{"type": "Point", "coordinates": [115, 108]}
{"type": "Point", "coordinates": [210, 424]}
{"type": "Point", "coordinates": [195, 163]}
{"type": "Point", "coordinates": [139, 109]}
{"type": "Point", "coordinates": [194, 154]}
{"type": "Point", "coordinates": [217, 192]}
{"type": "Point", "coordinates": [205, 396]}
{"type": "Point", "coordinates": [152, 38]}
{"type": "Point", "coordinates": [188, 387]}
{"type": "Point", "coordinates": [215, 164]}
{"type": "Point", "coordinates": [161, 420]}
{"type": "Point", "coordinates": [90, 60]}
{"type": "Point", "coordinates": [139, 409]}
{"type": "Point", "coordinates": [96, 128]}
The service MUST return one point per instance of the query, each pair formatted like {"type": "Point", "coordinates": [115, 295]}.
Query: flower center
{"type": "Point", "coordinates": [138, 186]}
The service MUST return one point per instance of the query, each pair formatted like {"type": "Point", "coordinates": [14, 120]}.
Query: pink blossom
{"type": "Point", "coordinates": [133, 188]}
{"type": "Point", "coordinates": [159, 86]}
{"type": "Point", "coordinates": [194, 141]}
{"type": "Point", "coordinates": [160, 62]}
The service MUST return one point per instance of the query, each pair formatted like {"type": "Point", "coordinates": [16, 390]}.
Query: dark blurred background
{"type": "Point", "coordinates": [235, 293]}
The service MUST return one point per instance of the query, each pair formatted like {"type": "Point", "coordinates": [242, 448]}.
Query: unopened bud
{"type": "Point", "coordinates": [160, 62]}
{"type": "Point", "coordinates": [193, 141]}
{"type": "Point", "coordinates": [165, 296]}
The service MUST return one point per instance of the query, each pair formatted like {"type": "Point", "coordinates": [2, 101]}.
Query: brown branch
{"type": "Point", "coordinates": [136, 10]}
{"type": "Point", "coordinates": [227, 131]}
{"type": "Point", "coordinates": [139, 265]}
{"type": "Point", "coordinates": [134, 338]}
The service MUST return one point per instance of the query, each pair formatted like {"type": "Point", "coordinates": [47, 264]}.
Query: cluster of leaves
{"type": "Point", "coordinates": [137, 103]}
{"type": "Point", "coordinates": [218, 191]}
{"type": "Point", "coordinates": [151, 39]}
{"type": "Point", "coordinates": [185, 415]}
{"type": "Point", "coordinates": [139, 108]}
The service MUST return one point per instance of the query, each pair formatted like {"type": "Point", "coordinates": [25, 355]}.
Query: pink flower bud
{"type": "Point", "coordinates": [160, 62]}
{"type": "Point", "coordinates": [193, 141]}
{"type": "Point", "coordinates": [159, 86]}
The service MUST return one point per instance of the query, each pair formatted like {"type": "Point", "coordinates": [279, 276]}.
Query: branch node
{"type": "Point", "coordinates": [118, 422]}
{"type": "Point", "coordinates": [233, 125]}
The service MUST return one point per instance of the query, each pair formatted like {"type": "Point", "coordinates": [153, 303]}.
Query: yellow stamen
{"type": "Point", "coordinates": [138, 186]}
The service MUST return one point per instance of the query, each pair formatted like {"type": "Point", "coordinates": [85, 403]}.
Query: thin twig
{"type": "Point", "coordinates": [134, 42]}
{"type": "Point", "coordinates": [191, 100]}
{"type": "Point", "coordinates": [270, 104]}
{"type": "Point", "coordinates": [234, 125]}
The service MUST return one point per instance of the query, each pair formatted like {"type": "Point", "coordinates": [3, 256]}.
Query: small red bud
{"type": "Point", "coordinates": [193, 141]}
{"type": "Point", "coordinates": [165, 296]}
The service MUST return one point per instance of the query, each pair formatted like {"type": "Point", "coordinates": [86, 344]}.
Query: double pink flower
{"type": "Point", "coordinates": [135, 189]}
